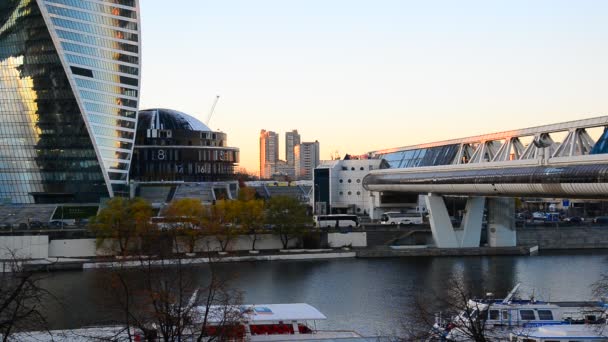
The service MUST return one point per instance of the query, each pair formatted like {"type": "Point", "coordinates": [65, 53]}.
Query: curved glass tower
{"type": "Point", "coordinates": [69, 90]}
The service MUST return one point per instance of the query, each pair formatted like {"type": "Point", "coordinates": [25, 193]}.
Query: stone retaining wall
{"type": "Point", "coordinates": [563, 237]}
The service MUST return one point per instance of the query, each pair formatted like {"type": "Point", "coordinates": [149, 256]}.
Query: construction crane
{"type": "Point", "coordinates": [217, 98]}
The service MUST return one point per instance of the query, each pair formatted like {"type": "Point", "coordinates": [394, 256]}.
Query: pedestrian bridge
{"type": "Point", "coordinates": [559, 160]}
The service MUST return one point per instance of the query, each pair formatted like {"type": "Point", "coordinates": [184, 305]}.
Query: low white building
{"type": "Point", "coordinates": [338, 189]}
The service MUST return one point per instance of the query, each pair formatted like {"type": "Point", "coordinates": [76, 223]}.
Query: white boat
{"type": "Point", "coordinates": [256, 323]}
{"type": "Point", "coordinates": [562, 333]}
{"type": "Point", "coordinates": [280, 322]}
{"type": "Point", "coordinates": [499, 317]}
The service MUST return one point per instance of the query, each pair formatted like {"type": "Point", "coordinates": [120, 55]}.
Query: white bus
{"type": "Point", "coordinates": [336, 221]}
{"type": "Point", "coordinates": [395, 217]}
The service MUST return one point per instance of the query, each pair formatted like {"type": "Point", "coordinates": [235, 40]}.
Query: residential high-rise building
{"type": "Point", "coordinates": [269, 153]}
{"type": "Point", "coordinates": [69, 91]}
{"type": "Point", "coordinates": [306, 157]}
{"type": "Point", "coordinates": [291, 140]}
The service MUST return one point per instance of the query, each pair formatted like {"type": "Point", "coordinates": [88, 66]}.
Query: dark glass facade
{"type": "Point", "coordinates": [173, 146]}
{"type": "Point", "coordinates": [68, 100]}
{"type": "Point", "coordinates": [321, 191]}
{"type": "Point", "coordinates": [46, 153]}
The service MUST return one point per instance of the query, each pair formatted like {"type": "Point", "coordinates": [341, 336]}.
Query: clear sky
{"type": "Point", "coordinates": [366, 75]}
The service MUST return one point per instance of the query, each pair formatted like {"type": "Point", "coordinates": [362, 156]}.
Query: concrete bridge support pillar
{"type": "Point", "coordinates": [441, 226]}
{"type": "Point", "coordinates": [472, 221]}
{"type": "Point", "coordinates": [501, 222]}
{"type": "Point", "coordinates": [443, 232]}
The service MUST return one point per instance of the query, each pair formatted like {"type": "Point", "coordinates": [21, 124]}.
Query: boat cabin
{"type": "Point", "coordinates": [535, 313]}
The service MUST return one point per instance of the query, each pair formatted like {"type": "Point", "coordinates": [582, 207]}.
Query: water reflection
{"type": "Point", "coordinates": [369, 295]}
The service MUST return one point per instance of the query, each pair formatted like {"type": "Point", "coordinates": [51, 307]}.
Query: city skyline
{"type": "Point", "coordinates": [349, 69]}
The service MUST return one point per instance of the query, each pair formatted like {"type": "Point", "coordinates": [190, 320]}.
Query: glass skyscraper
{"type": "Point", "coordinates": [69, 91]}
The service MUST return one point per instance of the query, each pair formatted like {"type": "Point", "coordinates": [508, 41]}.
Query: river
{"type": "Point", "coordinates": [371, 296]}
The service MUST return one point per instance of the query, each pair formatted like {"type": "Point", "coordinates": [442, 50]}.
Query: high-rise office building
{"type": "Point", "coordinates": [307, 158]}
{"type": "Point", "coordinates": [269, 153]}
{"type": "Point", "coordinates": [291, 140]}
{"type": "Point", "coordinates": [69, 91]}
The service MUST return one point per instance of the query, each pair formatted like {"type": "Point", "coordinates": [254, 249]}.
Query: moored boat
{"type": "Point", "coordinates": [279, 322]}
{"type": "Point", "coordinates": [255, 323]}
{"type": "Point", "coordinates": [499, 317]}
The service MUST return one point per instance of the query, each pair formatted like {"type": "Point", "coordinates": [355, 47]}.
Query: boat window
{"type": "Point", "coordinates": [545, 315]}
{"type": "Point", "coordinates": [527, 315]}
{"type": "Point", "coordinates": [494, 314]}
{"type": "Point", "coordinates": [528, 339]}
{"type": "Point", "coordinates": [505, 315]}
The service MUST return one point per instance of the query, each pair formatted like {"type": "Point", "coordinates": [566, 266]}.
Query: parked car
{"type": "Point", "coordinates": [35, 224]}
{"type": "Point", "coordinates": [539, 215]}
{"type": "Point", "coordinates": [573, 219]}
{"type": "Point", "coordinates": [601, 220]}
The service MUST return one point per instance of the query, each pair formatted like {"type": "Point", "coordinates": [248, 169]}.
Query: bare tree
{"type": "Point", "coordinates": [163, 300]}
{"type": "Point", "coordinates": [600, 287]}
{"type": "Point", "coordinates": [21, 299]}
{"type": "Point", "coordinates": [460, 319]}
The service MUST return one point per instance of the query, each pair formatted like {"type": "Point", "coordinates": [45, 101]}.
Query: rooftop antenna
{"type": "Point", "coordinates": [217, 98]}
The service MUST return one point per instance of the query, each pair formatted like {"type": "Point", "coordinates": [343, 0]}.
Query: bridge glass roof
{"type": "Point", "coordinates": [432, 156]}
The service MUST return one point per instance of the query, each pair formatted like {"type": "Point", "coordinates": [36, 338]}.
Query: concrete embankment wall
{"type": "Point", "coordinates": [353, 239]}
{"type": "Point", "coordinates": [39, 246]}
{"type": "Point", "coordinates": [563, 237]}
{"type": "Point", "coordinates": [24, 246]}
